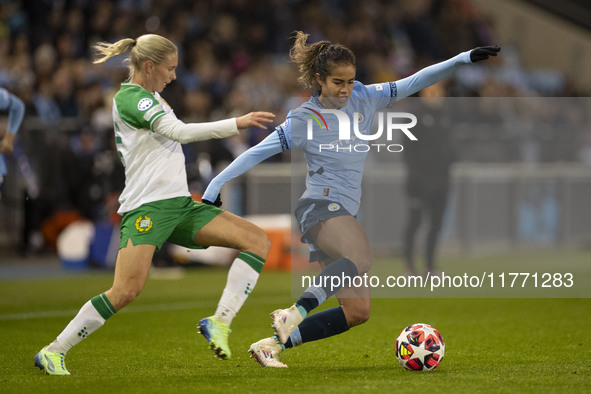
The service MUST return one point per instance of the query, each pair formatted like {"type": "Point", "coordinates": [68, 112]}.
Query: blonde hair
{"type": "Point", "coordinates": [318, 57]}
{"type": "Point", "coordinates": [147, 47]}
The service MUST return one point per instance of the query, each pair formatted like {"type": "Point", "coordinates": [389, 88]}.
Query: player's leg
{"type": "Point", "coordinates": [131, 272]}
{"type": "Point", "coordinates": [341, 238]}
{"type": "Point", "coordinates": [354, 310]}
{"type": "Point", "coordinates": [232, 231]}
{"type": "Point", "coordinates": [229, 230]}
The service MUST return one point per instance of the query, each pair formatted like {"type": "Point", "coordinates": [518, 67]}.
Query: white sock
{"type": "Point", "coordinates": [91, 317]}
{"type": "Point", "coordinates": [242, 278]}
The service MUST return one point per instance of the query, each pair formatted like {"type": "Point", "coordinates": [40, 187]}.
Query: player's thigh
{"type": "Point", "coordinates": [231, 231]}
{"type": "Point", "coordinates": [343, 236]}
{"type": "Point", "coordinates": [131, 272]}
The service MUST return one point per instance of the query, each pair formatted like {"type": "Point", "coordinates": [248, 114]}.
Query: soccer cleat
{"type": "Point", "coordinates": [285, 321]}
{"type": "Point", "coordinates": [266, 352]}
{"type": "Point", "coordinates": [216, 334]}
{"type": "Point", "coordinates": [52, 363]}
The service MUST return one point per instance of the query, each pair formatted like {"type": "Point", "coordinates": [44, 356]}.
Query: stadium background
{"type": "Point", "coordinates": [234, 60]}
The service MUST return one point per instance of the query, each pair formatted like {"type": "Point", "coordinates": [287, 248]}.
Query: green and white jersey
{"type": "Point", "coordinates": [154, 165]}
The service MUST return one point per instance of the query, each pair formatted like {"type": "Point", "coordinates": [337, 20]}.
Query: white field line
{"type": "Point", "coordinates": [171, 306]}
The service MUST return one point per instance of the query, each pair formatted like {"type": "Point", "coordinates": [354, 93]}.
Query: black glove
{"type": "Point", "coordinates": [217, 202]}
{"type": "Point", "coordinates": [482, 53]}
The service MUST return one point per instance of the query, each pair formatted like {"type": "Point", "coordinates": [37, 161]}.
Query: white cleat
{"type": "Point", "coordinates": [266, 352]}
{"type": "Point", "coordinates": [285, 321]}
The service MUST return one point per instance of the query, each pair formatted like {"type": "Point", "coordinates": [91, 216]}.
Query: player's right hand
{"type": "Point", "coordinates": [255, 119]}
{"type": "Point", "coordinates": [216, 203]}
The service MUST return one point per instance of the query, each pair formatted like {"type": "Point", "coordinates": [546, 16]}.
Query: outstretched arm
{"type": "Point", "coordinates": [435, 73]}
{"type": "Point", "coordinates": [171, 127]}
{"type": "Point", "coordinates": [268, 147]}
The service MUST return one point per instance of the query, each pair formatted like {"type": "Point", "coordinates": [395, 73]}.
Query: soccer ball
{"type": "Point", "coordinates": [420, 347]}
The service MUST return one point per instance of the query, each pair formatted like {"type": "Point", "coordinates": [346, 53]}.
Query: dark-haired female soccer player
{"type": "Point", "coordinates": [327, 210]}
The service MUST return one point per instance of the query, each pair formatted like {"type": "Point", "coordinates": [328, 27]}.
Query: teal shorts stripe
{"type": "Point", "coordinates": [256, 262]}
{"type": "Point", "coordinates": [102, 304]}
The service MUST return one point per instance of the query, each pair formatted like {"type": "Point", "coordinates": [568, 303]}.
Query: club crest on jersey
{"type": "Point", "coordinates": [143, 224]}
{"type": "Point", "coordinates": [332, 207]}
{"type": "Point", "coordinates": [144, 104]}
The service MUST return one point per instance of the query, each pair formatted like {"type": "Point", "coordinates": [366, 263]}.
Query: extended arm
{"type": "Point", "coordinates": [432, 74]}
{"type": "Point", "coordinates": [270, 146]}
{"type": "Point", "coordinates": [176, 130]}
{"type": "Point", "coordinates": [171, 127]}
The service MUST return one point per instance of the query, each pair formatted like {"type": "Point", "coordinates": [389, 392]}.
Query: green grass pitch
{"type": "Point", "coordinates": [492, 344]}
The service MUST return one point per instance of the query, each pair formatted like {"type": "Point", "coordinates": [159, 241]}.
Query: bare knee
{"type": "Point", "coordinates": [120, 298]}
{"type": "Point", "coordinates": [357, 314]}
{"type": "Point", "coordinates": [260, 244]}
{"type": "Point", "coordinates": [363, 263]}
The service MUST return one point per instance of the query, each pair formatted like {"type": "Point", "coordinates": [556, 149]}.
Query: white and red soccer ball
{"type": "Point", "coordinates": [420, 347]}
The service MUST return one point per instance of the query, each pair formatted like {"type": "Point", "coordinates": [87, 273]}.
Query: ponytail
{"type": "Point", "coordinates": [107, 50]}
{"type": "Point", "coordinates": [147, 47]}
{"type": "Point", "coordinates": [317, 58]}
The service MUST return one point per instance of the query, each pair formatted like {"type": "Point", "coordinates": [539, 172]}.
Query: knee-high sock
{"type": "Point", "coordinates": [242, 277]}
{"type": "Point", "coordinates": [91, 317]}
{"type": "Point", "coordinates": [318, 326]}
{"type": "Point", "coordinates": [323, 285]}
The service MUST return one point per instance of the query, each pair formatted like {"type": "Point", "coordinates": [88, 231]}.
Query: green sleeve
{"type": "Point", "coordinates": [138, 107]}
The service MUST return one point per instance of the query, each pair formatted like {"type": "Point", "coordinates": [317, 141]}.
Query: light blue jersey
{"type": "Point", "coordinates": [335, 170]}
{"type": "Point", "coordinates": [16, 111]}
{"type": "Point", "coordinates": [336, 174]}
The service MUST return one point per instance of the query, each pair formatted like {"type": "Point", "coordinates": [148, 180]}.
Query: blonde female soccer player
{"type": "Point", "coordinates": [156, 205]}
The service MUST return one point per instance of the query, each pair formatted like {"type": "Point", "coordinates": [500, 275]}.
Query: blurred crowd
{"type": "Point", "coordinates": [233, 59]}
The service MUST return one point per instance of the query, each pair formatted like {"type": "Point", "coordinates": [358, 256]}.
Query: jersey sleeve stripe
{"type": "Point", "coordinates": [155, 118]}
{"type": "Point", "coordinates": [282, 138]}
{"type": "Point", "coordinates": [393, 93]}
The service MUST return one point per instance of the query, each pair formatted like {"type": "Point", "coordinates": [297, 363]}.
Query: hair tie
{"type": "Point", "coordinates": [133, 43]}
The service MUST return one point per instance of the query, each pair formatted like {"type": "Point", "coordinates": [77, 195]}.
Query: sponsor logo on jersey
{"type": "Point", "coordinates": [332, 207]}
{"type": "Point", "coordinates": [144, 104]}
{"type": "Point", "coordinates": [143, 224]}
{"type": "Point", "coordinates": [148, 115]}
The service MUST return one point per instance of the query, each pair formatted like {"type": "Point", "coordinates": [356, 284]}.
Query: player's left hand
{"type": "Point", "coordinates": [255, 119]}
{"type": "Point", "coordinates": [482, 53]}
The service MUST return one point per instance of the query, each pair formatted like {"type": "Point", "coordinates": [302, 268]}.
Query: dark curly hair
{"type": "Point", "coordinates": [318, 57]}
